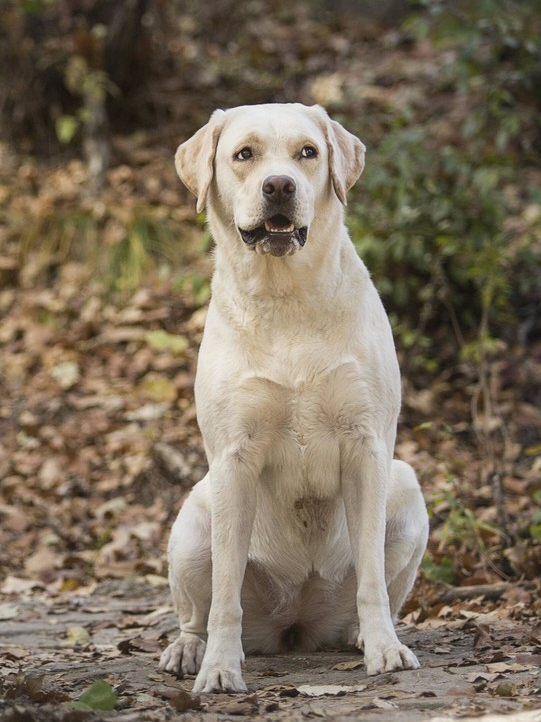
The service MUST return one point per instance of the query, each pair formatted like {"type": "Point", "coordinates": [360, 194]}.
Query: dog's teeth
{"type": "Point", "coordinates": [273, 229]}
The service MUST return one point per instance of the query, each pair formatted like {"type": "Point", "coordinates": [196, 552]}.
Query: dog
{"type": "Point", "coordinates": [305, 534]}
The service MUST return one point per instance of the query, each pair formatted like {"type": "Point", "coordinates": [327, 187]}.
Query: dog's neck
{"type": "Point", "coordinates": [253, 293]}
{"type": "Point", "coordinates": [310, 272]}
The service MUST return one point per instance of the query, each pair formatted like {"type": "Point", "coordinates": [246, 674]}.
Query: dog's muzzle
{"type": "Point", "coordinates": [277, 236]}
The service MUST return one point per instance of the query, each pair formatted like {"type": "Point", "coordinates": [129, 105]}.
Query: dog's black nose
{"type": "Point", "coordinates": [278, 188]}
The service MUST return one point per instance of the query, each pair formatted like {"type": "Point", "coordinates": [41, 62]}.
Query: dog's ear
{"type": "Point", "coordinates": [346, 154]}
{"type": "Point", "coordinates": [194, 159]}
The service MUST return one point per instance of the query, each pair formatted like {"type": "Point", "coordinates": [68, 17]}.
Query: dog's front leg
{"type": "Point", "coordinates": [365, 477]}
{"type": "Point", "coordinates": [233, 501]}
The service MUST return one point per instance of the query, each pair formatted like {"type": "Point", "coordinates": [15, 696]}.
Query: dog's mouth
{"type": "Point", "coordinates": [278, 236]}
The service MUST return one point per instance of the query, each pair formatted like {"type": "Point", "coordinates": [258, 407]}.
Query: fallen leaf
{"type": "Point", "coordinates": [378, 703]}
{"type": "Point", "coordinates": [483, 639]}
{"type": "Point", "coordinates": [507, 667]}
{"type": "Point", "coordinates": [179, 698]}
{"type": "Point", "coordinates": [319, 690]}
{"type": "Point", "coordinates": [466, 691]}
{"type": "Point", "coordinates": [245, 706]}
{"type": "Point", "coordinates": [8, 611]}
{"type": "Point", "coordinates": [313, 710]}
{"type": "Point", "coordinates": [99, 696]}
{"type": "Point", "coordinates": [43, 561]}
{"type": "Point", "coordinates": [149, 412]}
{"type": "Point", "coordinates": [25, 686]}
{"type": "Point", "coordinates": [270, 673]}
{"type": "Point", "coordinates": [156, 580]}
{"type": "Point", "coordinates": [348, 666]}
{"type": "Point", "coordinates": [531, 660]}
{"type": "Point", "coordinates": [14, 652]}
{"type": "Point", "coordinates": [157, 388]}
{"type": "Point", "coordinates": [160, 340]}
{"type": "Point", "coordinates": [67, 374]}
{"type": "Point", "coordinates": [18, 585]}
{"type": "Point", "coordinates": [483, 676]}
{"type": "Point", "coordinates": [140, 644]}
{"type": "Point", "coordinates": [76, 636]}
{"type": "Point", "coordinates": [286, 690]}
{"type": "Point", "coordinates": [506, 689]}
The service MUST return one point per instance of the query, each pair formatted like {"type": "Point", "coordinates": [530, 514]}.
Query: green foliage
{"type": "Point", "coordinates": [66, 127]}
{"type": "Point", "coordinates": [432, 230]}
{"type": "Point", "coordinates": [196, 284]}
{"type": "Point", "coordinates": [160, 340]}
{"type": "Point", "coordinates": [121, 246]}
{"type": "Point", "coordinates": [131, 255]}
{"type": "Point", "coordinates": [442, 571]}
{"type": "Point", "coordinates": [434, 226]}
{"type": "Point", "coordinates": [147, 237]}
{"type": "Point", "coordinates": [460, 526]}
{"type": "Point", "coordinates": [92, 86]}
{"type": "Point", "coordinates": [535, 526]}
{"type": "Point", "coordinates": [497, 58]}
{"type": "Point", "coordinates": [99, 696]}
{"type": "Point", "coordinates": [59, 234]}
{"type": "Point", "coordinates": [463, 527]}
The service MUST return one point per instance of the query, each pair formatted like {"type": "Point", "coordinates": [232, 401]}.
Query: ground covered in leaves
{"type": "Point", "coordinates": [99, 441]}
{"type": "Point", "coordinates": [73, 656]}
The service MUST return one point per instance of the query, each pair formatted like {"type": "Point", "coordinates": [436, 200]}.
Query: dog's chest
{"type": "Point", "coordinates": [307, 457]}
{"type": "Point", "coordinates": [307, 437]}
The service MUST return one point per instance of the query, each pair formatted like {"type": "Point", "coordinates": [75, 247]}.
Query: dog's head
{"type": "Point", "coordinates": [268, 167]}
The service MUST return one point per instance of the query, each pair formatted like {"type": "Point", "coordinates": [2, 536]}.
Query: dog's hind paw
{"type": "Point", "coordinates": [391, 659]}
{"type": "Point", "coordinates": [184, 655]}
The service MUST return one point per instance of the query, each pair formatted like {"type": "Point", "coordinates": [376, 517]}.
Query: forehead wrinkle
{"type": "Point", "coordinates": [270, 126]}
{"type": "Point", "coordinates": [242, 139]}
{"type": "Point", "coordinates": [274, 139]}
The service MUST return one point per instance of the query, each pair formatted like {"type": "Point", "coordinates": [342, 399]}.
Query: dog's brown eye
{"type": "Point", "coordinates": [308, 152]}
{"type": "Point", "coordinates": [244, 154]}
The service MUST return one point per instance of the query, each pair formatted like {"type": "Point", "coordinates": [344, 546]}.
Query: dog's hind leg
{"type": "Point", "coordinates": [406, 534]}
{"type": "Point", "coordinates": [190, 573]}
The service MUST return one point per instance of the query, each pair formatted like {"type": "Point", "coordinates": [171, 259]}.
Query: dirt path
{"type": "Point", "coordinates": [54, 647]}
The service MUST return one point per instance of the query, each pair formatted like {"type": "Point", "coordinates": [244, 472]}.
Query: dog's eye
{"type": "Point", "coordinates": [308, 152]}
{"type": "Point", "coordinates": [244, 154]}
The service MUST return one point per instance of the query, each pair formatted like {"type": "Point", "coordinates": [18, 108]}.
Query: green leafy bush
{"type": "Point", "coordinates": [433, 234]}
{"type": "Point", "coordinates": [444, 227]}
{"type": "Point", "coordinates": [496, 61]}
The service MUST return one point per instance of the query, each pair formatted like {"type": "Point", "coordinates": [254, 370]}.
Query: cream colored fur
{"type": "Point", "coordinates": [305, 533]}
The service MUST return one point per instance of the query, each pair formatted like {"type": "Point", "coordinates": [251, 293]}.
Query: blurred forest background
{"type": "Point", "coordinates": [104, 266]}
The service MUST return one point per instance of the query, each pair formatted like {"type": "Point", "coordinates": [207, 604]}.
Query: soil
{"type": "Point", "coordinates": [54, 647]}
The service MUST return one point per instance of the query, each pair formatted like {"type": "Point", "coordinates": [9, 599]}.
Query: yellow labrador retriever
{"type": "Point", "coordinates": [304, 534]}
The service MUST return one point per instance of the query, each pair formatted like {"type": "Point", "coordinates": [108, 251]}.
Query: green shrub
{"type": "Point", "coordinates": [432, 231]}
{"type": "Point", "coordinates": [444, 227]}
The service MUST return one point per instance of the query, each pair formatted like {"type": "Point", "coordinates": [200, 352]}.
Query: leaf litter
{"type": "Point", "coordinates": [99, 442]}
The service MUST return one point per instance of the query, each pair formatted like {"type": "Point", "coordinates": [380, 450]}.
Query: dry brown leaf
{"type": "Point", "coordinates": [333, 690]}
{"type": "Point", "coordinates": [349, 666]}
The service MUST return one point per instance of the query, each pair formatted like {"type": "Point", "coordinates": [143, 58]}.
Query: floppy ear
{"type": "Point", "coordinates": [346, 155]}
{"type": "Point", "coordinates": [194, 159]}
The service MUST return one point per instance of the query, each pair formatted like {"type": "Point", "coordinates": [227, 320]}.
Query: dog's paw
{"type": "Point", "coordinates": [390, 659]}
{"type": "Point", "coordinates": [184, 655]}
{"type": "Point", "coordinates": [218, 679]}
